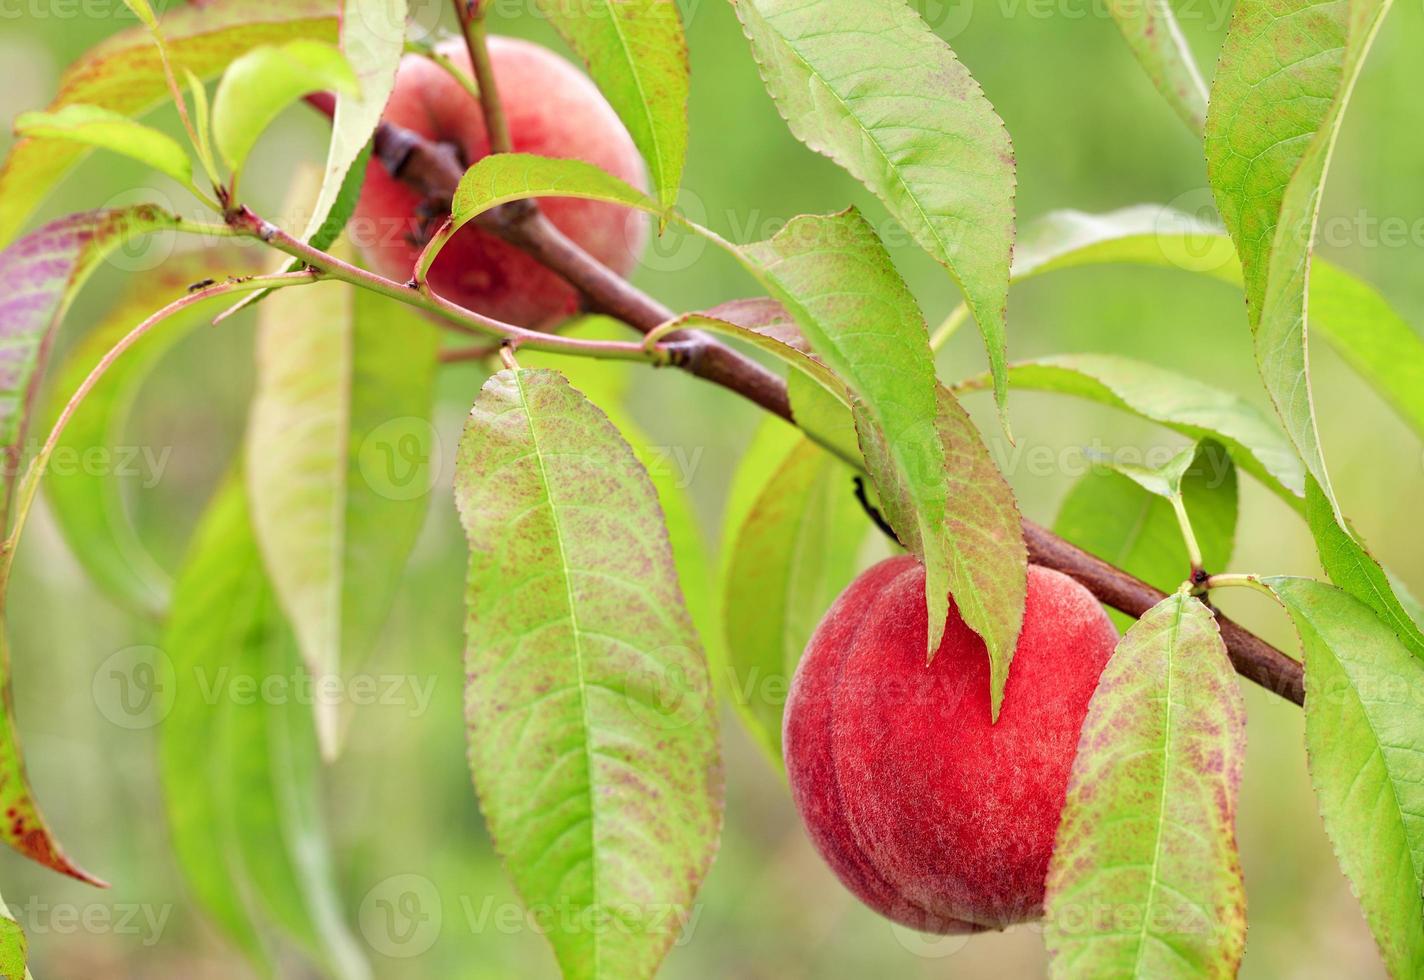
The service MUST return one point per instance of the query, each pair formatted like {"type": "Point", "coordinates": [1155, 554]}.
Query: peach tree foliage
{"type": "Point", "coordinates": [600, 632]}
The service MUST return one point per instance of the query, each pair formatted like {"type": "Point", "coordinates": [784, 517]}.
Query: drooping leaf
{"type": "Point", "coordinates": [1145, 879]}
{"type": "Point", "coordinates": [791, 555]}
{"type": "Point", "coordinates": [1151, 31]}
{"type": "Point", "coordinates": [241, 774]}
{"type": "Point", "coordinates": [870, 85]}
{"type": "Point", "coordinates": [88, 502]}
{"type": "Point", "coordinates": [372, 41]}
{"type": "Point", "coordinates": [258, 85]}
{"type": "Point", "coordinates": [1347, 312]}
{"type": "Point", "coordinates": [980, 534]}
{"type": "Point", "coordinates": [338, 455]}
{"type": "Point", "coordinates": [1351, 566]}
{"type": "Point", "coordinates": [1283, 81]}
{"type": "Point", "coordinates": [109, 130]}
{"type": "Point", "coordinates": [1109, 515]}
{"type": "Point", "coordinates": [125, 74]}
{"type": "Point", "coordinates": [1361, 735]}
{"type": "Point", "coordinates": [1188, 406]}
{"type": "Point", "coordinates": [593, 737]}
{"type": "Point", "coordinates": [833, 275]}
{"type": "Point", "coordinates": [636, 52]}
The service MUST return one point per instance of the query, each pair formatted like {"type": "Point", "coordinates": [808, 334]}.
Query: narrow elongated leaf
{"type": "Point", "coordinates": [1351, 566]}
{"type": "Point", "coordinates": [1109, 515]}
{"type": "Point", "coordinates": [1362, 693]}
{"type": "Point", "coordinates": [1151, 31]}
{"type": "Point", "coordinates": [1178, 402]}
{"type": "Point", "coordinates": [593, 737]}
{"type": "Point", "coordinates": [980, 535]}
{"type": "Point", "coordinates": [835, 278]}
{"type": "Point", "coordinates": [338, 454]}
{"type": "Point", "coordinates": [125, 74]}
{"type": "Point", "coordinates": [1347, 312]}
{"type": "Point", "coordinates": [636, 52]}
{"type": "Point", "coordinates": [1282, 84]}
{"type": "Point", "coordinates": [372, 41]}
{"type": "Point", "coordinates": [1148, 832]}
{"type": "Point", "coordinates": [88, 501]}
{"type": "Point", "coordinates": [108, 130]}
{"type": "Point", "coordinates": [868, 84]}
{"type": "Point", "coordinates": [241, 774]}
{"type": "Point", "coordinates": [261, 83]}
{"type": "Point", "coordinates": [790, 557]}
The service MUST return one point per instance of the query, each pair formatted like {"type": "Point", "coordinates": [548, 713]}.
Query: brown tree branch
{"type": "Point", "coordinates": [434, 171]}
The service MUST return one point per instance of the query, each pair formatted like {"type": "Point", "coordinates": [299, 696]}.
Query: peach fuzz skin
{"type": "Point", "coordinates": [553, 110]}
{"type": "Point", "coordinates": [926, 812]}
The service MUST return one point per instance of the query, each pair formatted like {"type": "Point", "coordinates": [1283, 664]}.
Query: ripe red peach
{"type": "Point", "coordinates": [553, 110]}
{"type": "Point", "coordinates": [928, 813]}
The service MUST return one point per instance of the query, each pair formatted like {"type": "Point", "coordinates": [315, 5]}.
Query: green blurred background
{"type": "Point", "coordinates": [1090, 133]}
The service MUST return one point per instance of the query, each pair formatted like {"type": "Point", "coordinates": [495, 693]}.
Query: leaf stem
{"type": "Point", "coordinates": [1194, 552]}
{"type": "Point", "coordinates": [1238, 580]}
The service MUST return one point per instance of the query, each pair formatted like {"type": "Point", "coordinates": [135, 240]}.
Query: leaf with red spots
{"type": "Point", "coordinates": [1362, 696]}
{"type": "Point", "coordinates": [593, 735]}
{"type": "Point", "coordinates": [1145, 879]}
{"type": "Point", "coordinates": [125, 74]}
{"type": "Point", "coordinates": [980, 538]}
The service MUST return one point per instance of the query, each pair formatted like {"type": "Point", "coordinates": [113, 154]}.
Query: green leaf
{"type": "Point", "coordinates": [1111, 516]}
{"type": "Point", "coordinates": [338, 455]}
{"type": "Point", "coordinates": [1180, 403]}
{"type": "Point", "coordinates": [14, 946]}
{"type": "Point", "coordinates": [1151, 31]}
{"type": "Point", "coordinates": [1347, 312]}
{"type": "Point", "coordinates": [791, 555]}
{"type": "Point", "coordinates": [94, 126]}
{"type": "Point", "coordinates": [1145, 879]}
{"type": "Point", "coordinates": [261, 83]}
{"type": "Point", "coordinates": [124, 73]}
{"type": "Point", "coordinates": [1351, 566]}
{"type": "Point", "coordinates": [504, 177]}
{"type": "Point", "coordinates": [1362, 741]}
{"type": "Point", "coordinates": [143, 12]}
{"type": "Point", "coordinates": [88, 502]}
{"type": "Point", "coordinates": [636, 52]}
{"type": "Point", "coordinates": [1285, 75]}
{"type": "Point", "coordinates": [372, 42]}
{"type": "Point", "coordinates": [241, 775]}
{"type": "Point", "coordinates": [868, 84]}
{"type": "Point", "coordinates": [593, 738]}
{"type": "Point", "coordinates": [1161, 481]}
{"type": "Point", "coordinates": [980, 535]}
{"type": "Point", "coordinates": [833, 275]}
